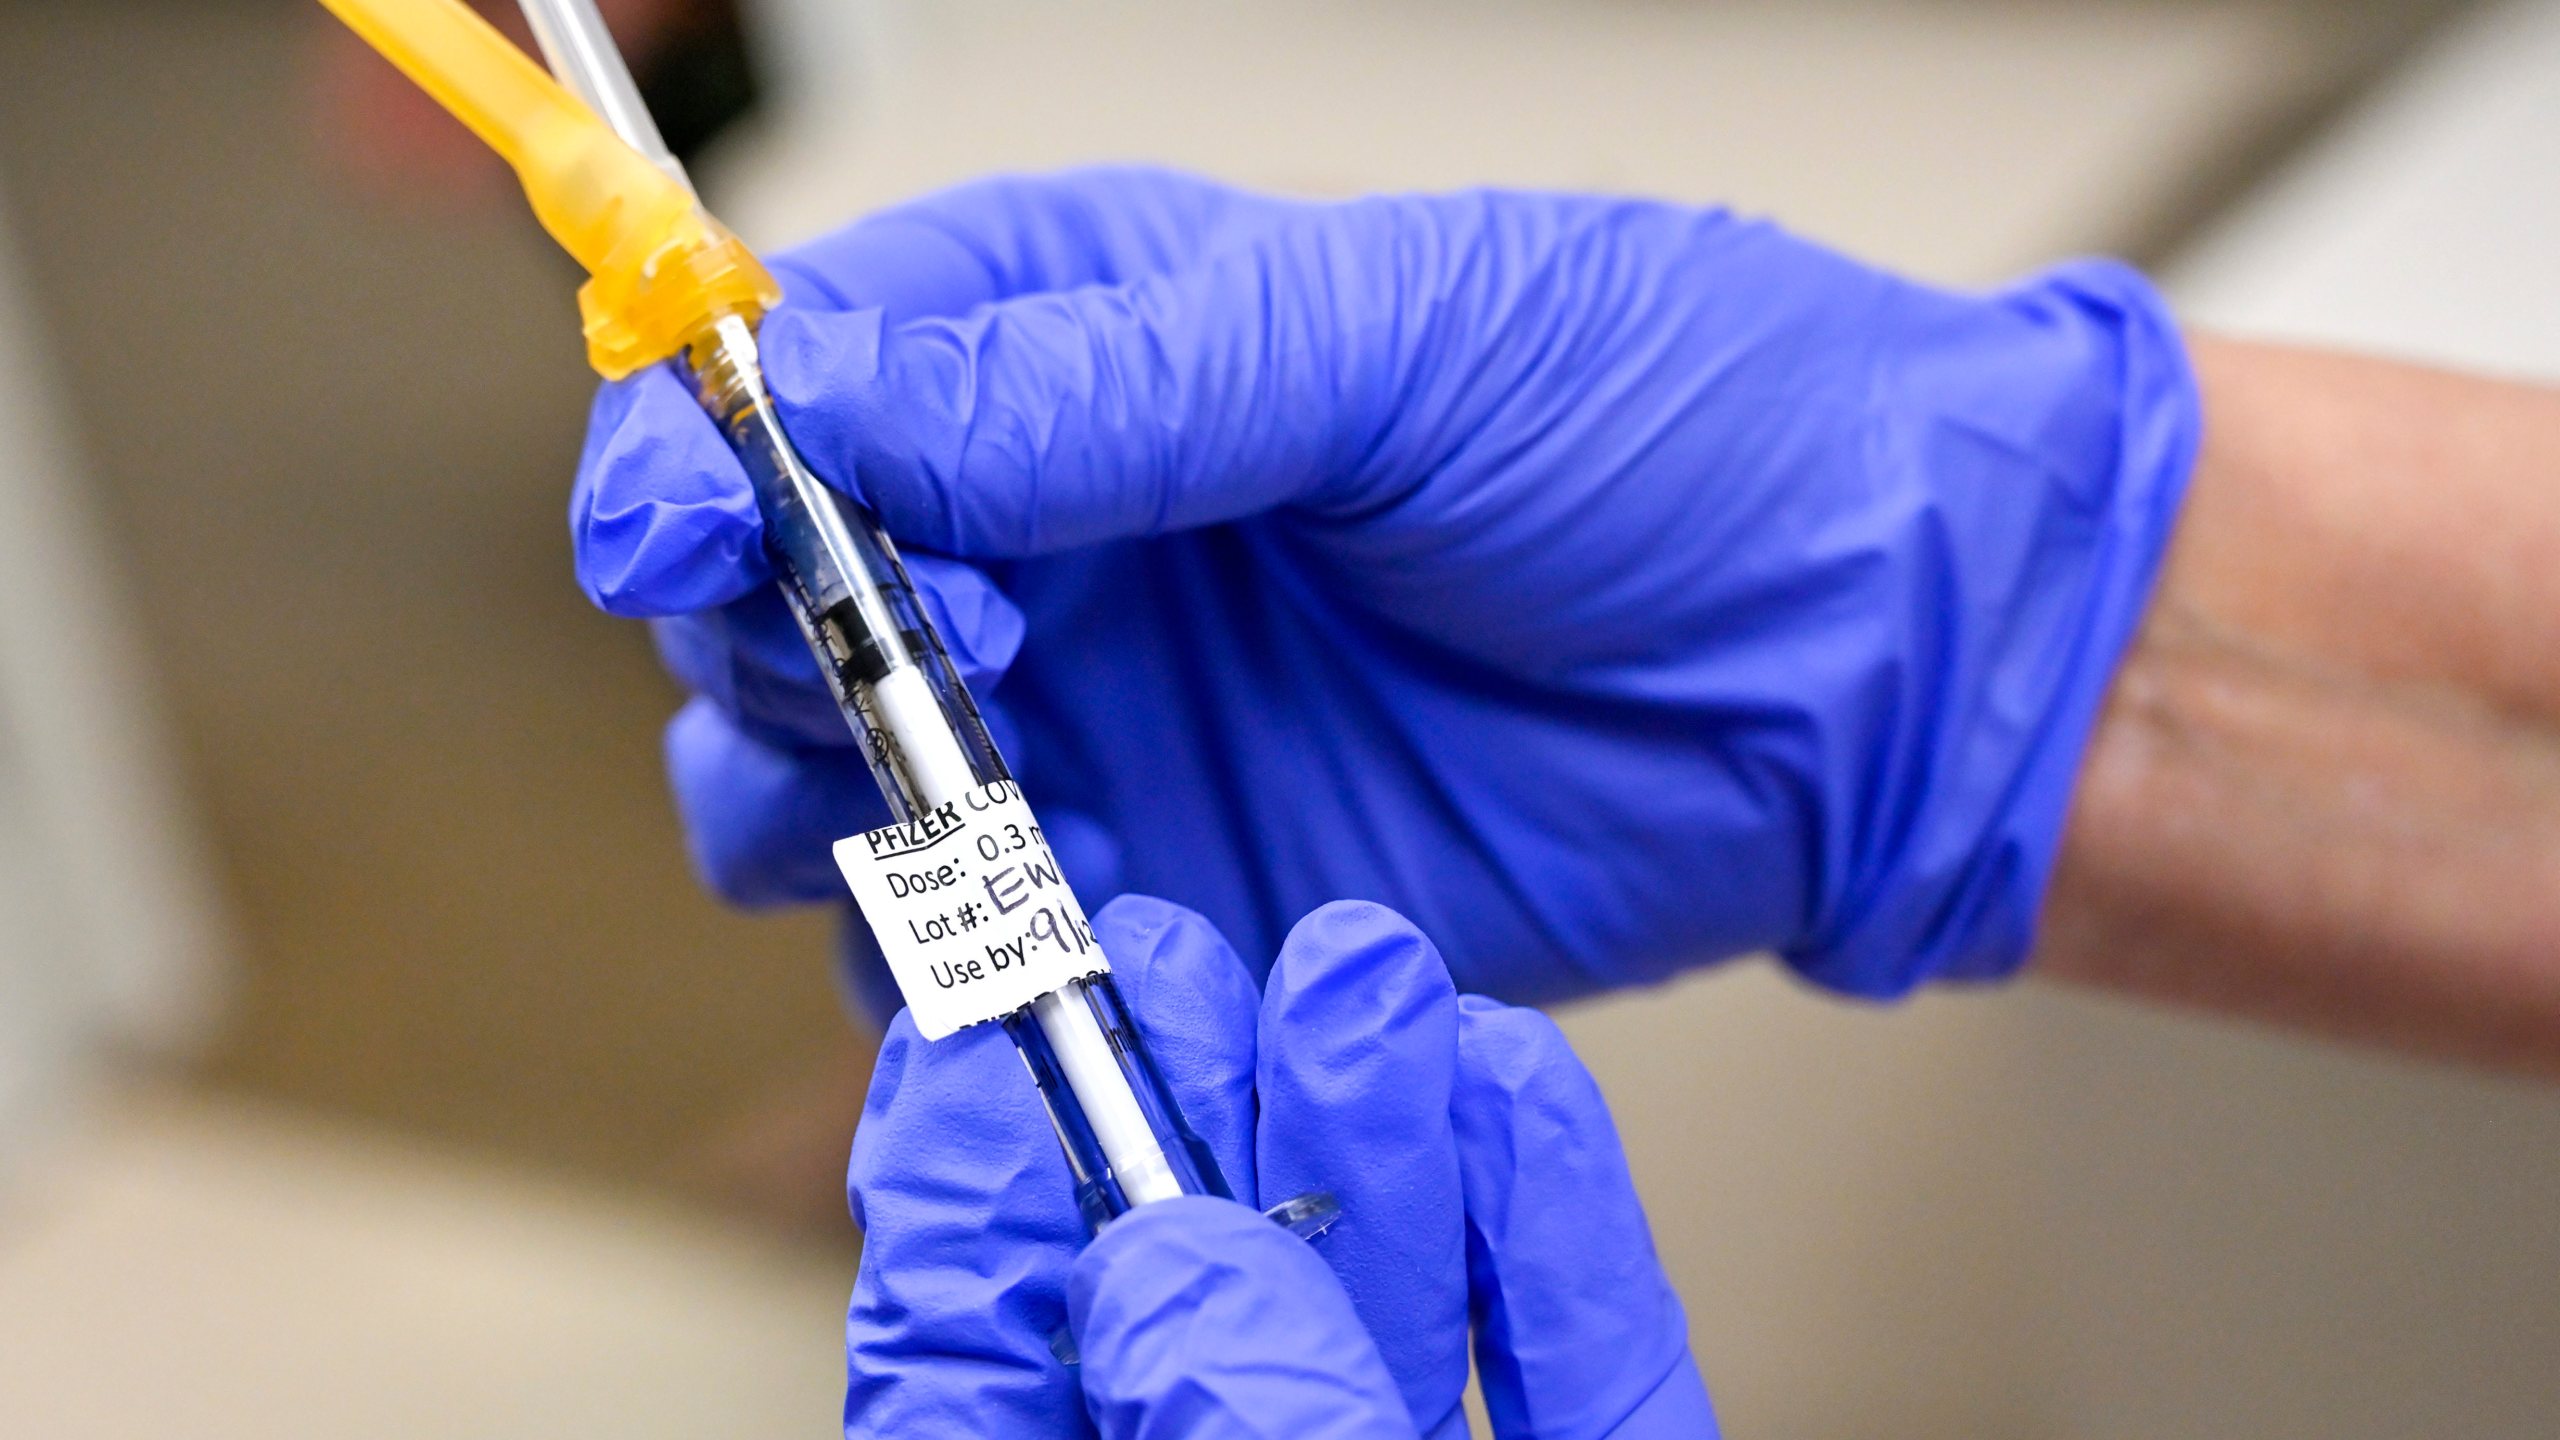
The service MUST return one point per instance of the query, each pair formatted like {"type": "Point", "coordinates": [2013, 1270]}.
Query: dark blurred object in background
{"type": "Point", "coordinates": [700, 75]}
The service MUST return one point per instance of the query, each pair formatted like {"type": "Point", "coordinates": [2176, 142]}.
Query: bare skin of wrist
{"type": "Point", "coordinates": [2326, 790]}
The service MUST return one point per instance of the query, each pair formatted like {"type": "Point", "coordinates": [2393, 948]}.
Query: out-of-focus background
{"type": "Point", "coordinates": [369, 1063]}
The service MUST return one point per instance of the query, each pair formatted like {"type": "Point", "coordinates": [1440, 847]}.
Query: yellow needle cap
{"type": "Point", "coordinates": [661, 270]}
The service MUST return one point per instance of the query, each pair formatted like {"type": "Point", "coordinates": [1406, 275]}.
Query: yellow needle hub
{"type": "Point", "coordinates": [661, 270]}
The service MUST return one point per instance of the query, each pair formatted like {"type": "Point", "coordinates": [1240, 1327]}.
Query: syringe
{"type": "Point", "coordinates": [667, 281]}
{"type": "Point", "coordinates": [920, 729]}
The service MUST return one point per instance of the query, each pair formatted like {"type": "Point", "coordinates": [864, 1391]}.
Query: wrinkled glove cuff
{"type": "Point", "coordinates": [2050, 430]}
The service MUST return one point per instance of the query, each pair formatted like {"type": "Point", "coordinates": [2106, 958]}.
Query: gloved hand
{"type": "Point", "coordinates": [1476, 1164]}
{"type": "Point", "coordinates": [1522, 559]}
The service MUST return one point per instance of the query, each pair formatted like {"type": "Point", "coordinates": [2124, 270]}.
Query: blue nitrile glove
{"type": "Point", "coordinates": [1613, 586]}
{"type": "Point", "coordinates": [1474, 1158]}
{"type": "Point", "coordinates": [1208, 1320]}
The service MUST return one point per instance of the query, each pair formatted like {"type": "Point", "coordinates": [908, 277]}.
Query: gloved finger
{"type": "Point", "coordinates": [661, 519]}
{"type": "Point", "coordinates": [761, 819]}
{"type": "Point", "coordinates": [1199, 1319]}
{"type": "Point", "coordinates": [1358, 1054]}
{"type": "Point", "coordinates": [969, 1228]}
{"type": "Point", "coordinates": [1195, 1002]}
{"type": "Point", "coordinates": [1579, 1333]}
{"type": "Point", "coordinates": [948, 1140]}
{"type": "Point", "coordinates": [1259, 377]}
{"type": "Point", "coordinates": [1007, 235]}
{"type": "Point", "coordinates": [749, 657]}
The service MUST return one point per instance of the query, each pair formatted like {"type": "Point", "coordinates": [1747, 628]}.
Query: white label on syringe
{"type": "Point", "coordinates": [971, 909]}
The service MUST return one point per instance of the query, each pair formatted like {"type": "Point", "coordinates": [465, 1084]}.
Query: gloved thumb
{"type": "Point", "coordinates": [1200, 1319]}
{"type": "Point", "coordinates": [1257, 378]}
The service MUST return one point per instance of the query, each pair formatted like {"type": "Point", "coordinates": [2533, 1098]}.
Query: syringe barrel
{"type": "Point", "coordinates": [1104, 1096]}
{"type": "Point", "coordinates": [1124, 1136]}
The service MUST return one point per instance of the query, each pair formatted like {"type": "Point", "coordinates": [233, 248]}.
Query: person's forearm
{"type": "Point", "coordinates": [2326, 791]}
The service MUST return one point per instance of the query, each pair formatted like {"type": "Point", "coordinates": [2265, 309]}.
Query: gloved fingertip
{"type": "Point", "coordinates": [825, 369]}
{"type": "Point", "coordinates": [1512, 1050]}
{"type": "Point", "coordinates": [1150, 942]}
{"type": "Point", "coordinates": [1196, 1003]}
{"type": "Point", "coordinates": [885, 414]}
{"type": "Point", "coordinates": [1140, 922]}
{"type": "Point", "coordinates": [1358, 952]}
{"type": "Point", "coordinates": [662, 519]}
{"type": "Point", "coordinates": [1358, 1027]}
